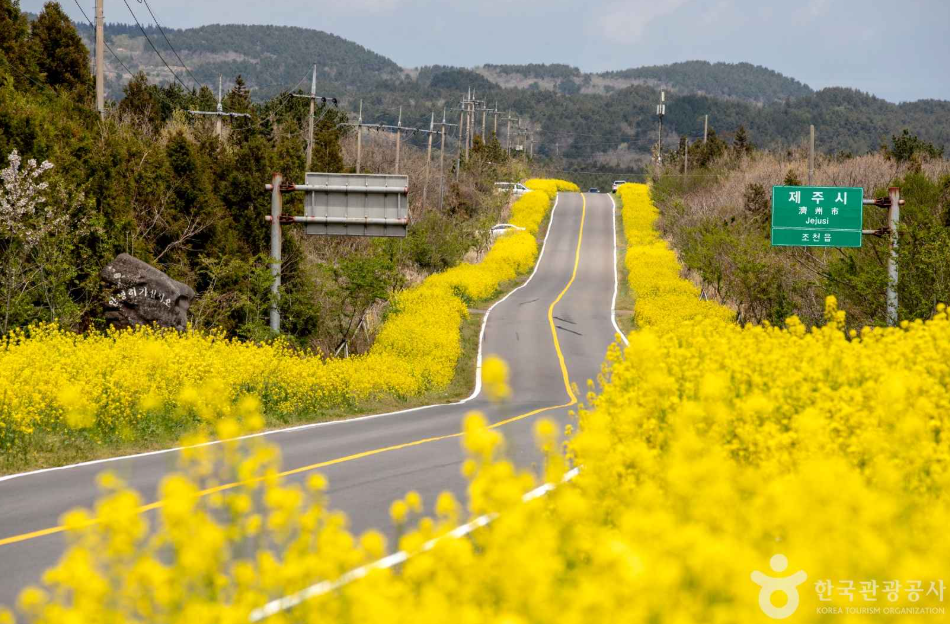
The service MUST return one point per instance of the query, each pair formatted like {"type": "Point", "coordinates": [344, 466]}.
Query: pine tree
{"type": "Point", "coordinates": [740, 144]}
{"type": "Point", "coordinates": [61, 54]}
{"type": "Point", "coordinates": [15, 49]}
{"type": "Point", "coordinates": [141, 100]}
{"type": "Point", "coordinates": [238, 99]}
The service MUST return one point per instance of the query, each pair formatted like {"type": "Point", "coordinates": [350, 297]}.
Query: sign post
{"type": "Point", "coordinates": [338, 204]}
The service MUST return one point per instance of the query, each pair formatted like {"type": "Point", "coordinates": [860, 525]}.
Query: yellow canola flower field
{"type": "Point", "coordinates": [716, 461]}
{"type": "Point", "coordinates": [126, 384]}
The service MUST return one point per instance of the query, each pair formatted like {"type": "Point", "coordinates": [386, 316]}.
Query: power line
{"type": "Point", "coordinates": [147, 38]}
{"type": "Point", "coordinates": [108, 47]}
{"type": "Point", "coordinates": [162, 30]}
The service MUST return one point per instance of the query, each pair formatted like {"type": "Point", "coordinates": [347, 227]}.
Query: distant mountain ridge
{"type": "Point", "coordinates": [273, 58]}
{"type": "Point", "coordinates": [739, 81]}
{"type": "Point", "coordinates": [602, 118]}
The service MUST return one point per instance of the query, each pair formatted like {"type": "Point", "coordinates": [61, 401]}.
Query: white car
{"type": "Point", "coordinates": [502, 228]}
{"type": "Point", "coordinates": [514, 188]}
{"type": "Point", "coordinates": [617, 185]}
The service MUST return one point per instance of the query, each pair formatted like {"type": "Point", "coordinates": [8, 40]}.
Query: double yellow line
{"type": "Point", "coordinates": [332, 462]}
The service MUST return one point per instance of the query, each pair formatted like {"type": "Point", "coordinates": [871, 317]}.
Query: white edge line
{"type": "Point", "coordinates": [475, 392]}
{"type": "Point", "coordinates": [613, 303]}
{"type": "Point", "coordinates": [390, 561]}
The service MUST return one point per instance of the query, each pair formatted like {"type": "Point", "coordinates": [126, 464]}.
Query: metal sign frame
{"type": "Point", "coordinates": [338, 204]}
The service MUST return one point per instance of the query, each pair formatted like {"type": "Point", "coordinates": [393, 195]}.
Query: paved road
{"type": "Point", "coordinates": [570, 294]}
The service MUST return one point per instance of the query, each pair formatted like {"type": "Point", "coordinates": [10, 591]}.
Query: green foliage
{"type": "Point", "coordinates": [705, 154]}
{"type": "Point", "coordinates": [62, 57]}
{"type": "Point", "coordinates": [757, 202]}
{"type": "Point", "coordinates": [741, 145]}
{"type": "Point", "coordinates": [728, 80]}
{"type": "Point", "coordinates": [923, 254]}
{"type": "Point", "coordinates": [792, 179]}
{"type": "Point", "coordinates": [435, 242]}
{"type": "Point", "coordinates": [16, 51]}
{"type": "Point", "coordinates": [907, 145]}
{"type": "Point", "coordinates": [538, 70]}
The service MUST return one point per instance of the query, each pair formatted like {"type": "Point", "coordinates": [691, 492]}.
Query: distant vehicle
{"type": "Point", "coordinates": [513, 188]}
{"type": "Point", "coordinates": [593, 189]}
{"type": "Point", "coordinates": [502, 228]}
{"type": "Point", "coordinates": [617, 185]}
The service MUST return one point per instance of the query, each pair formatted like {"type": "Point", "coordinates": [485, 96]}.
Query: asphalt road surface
{"type": "Point", "coordinates": [559, 324]}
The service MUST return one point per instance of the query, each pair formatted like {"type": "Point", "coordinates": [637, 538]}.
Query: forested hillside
{"type": "Point", "coordinates": [742, 81]}
{"type": "Point", "coordinates": [603, 121]}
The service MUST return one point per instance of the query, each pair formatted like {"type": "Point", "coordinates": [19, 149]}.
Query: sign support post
{"type": "Point", "coordinates": [893, 219]}
{"type": "Point", "coordinates": [275, 251]}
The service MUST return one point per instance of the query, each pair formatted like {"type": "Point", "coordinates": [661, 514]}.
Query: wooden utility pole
{"type": "Point", "coordinates": [425, 186]}
{"type": "Point", "coordinates": [313, 103]}
{"type": "Point", "coordinates": [219, 113]}
{"type": "Point", "coordinates": [705, 129]}
{"type": "Point", "coordinates": [458, 155]}
{"type": "Point", "coordinates": [100, 69]}
{"type": "Point", "coordinates": [471, 127]}
{"type": "Point", "coordinates": [811, 154]}
{"type": "Point", "coordinates": [359, 139]}
{"type": "Point", "coordinates": [219, 118]}
{"type": "Point", "coordinates": [442, 163]}
{"type": "Point", "coordinates": [399, 144]}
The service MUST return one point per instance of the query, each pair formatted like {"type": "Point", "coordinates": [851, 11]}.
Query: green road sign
{"type": "Point", "coordinates": [817, 216]}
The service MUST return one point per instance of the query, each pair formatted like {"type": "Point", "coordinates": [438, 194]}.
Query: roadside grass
{"type": "Point", "coordinates": [48, 451]}
{"type": "Point", "coordinates": [625, 305]}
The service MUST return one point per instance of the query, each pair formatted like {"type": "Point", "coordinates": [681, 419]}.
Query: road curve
{"type": "Point", "coordinates": [559, 321]}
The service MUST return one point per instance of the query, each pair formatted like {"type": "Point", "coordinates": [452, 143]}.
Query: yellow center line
{"type": "Point", "coordinates": [228, 486]}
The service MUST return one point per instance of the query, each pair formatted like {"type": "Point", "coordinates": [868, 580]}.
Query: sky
{"type": "Point", "coordinates": [898, 51]}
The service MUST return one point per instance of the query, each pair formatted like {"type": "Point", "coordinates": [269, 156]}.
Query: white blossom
{"type": "Point", "coordinates": [20, 196]}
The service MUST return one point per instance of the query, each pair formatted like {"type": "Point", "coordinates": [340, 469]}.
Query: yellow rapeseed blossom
{"type": "Point", "coordinates": [121, 383]}
{"type": "Point", "coordinates": [715, 459]}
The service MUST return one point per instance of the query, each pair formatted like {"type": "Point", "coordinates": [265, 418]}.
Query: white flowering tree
{"type": "Point", "coordinates": [33, 246]}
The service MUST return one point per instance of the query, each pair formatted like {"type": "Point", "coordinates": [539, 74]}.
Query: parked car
{"type": "Point", "coordinates": [501, 228]}
{"type": "Point", "coordinates": [593, 189]}
{"type": "Point", "coordinates": [617, 185]}
{"type": "Point", "coordinates": [513, 188]}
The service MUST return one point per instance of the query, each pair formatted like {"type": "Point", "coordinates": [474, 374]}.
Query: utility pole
{"type": "Point", "coordinates": [686, 157]}
{"type": "Point", "coordinates": [359, 139]}
{"type": "Point", "coordinates": [425, 186]}
{"type": "Point", "coordinates": [811, 154]}
{"type": "Point", "coordinates": [275, 210]}
{"type": "Point", "coordinates": [471, 124]}
{"type": "Point", "coordinates": [313, 103]}
{"type": "Point", "coordinates": [508, 137]}
{"type": "Point", "coordinates": [399, 143]}
{"type": "Point", "coordinates": [660, 112]}
{"type": "Point", "coordinates": [219, 114]}
{"type": "Point", "coordinates": [893, 219]}
{"type": "Point", "coordinates": [218, 119]}
{"type": "Point", "coordinates": [484, 118]}
{"type": "Point", "coordinates": [458, 155]}
{"type": "Point", "coordinates": [312, 96]}
{"type": "Point", "coordinates": [705, 129]}
{"type": "Point", "coordinates": [100, 69]}
{"type": "Point", "coordinates": [442, 163]}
